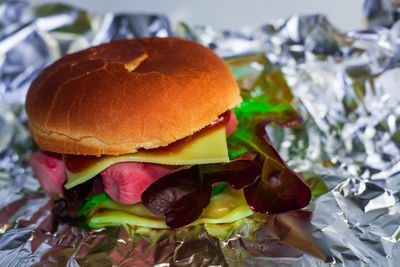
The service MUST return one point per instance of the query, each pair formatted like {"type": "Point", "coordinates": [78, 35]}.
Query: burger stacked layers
{"type": "Point", "coordinates": [140, 127]}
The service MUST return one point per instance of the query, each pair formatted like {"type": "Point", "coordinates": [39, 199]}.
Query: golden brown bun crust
{"type": "Point", "coordinates": [129, 94]}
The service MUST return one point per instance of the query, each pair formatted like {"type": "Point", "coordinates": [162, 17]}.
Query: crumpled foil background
{"type": "Point", "coordinates": [346, 87]}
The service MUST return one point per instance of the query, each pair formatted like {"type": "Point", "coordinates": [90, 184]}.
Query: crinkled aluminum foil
{"type": "Point", "coordinates": [346, 88]}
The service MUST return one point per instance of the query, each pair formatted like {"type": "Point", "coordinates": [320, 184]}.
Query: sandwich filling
{"type": "Point", "coordinates": [126, 177]}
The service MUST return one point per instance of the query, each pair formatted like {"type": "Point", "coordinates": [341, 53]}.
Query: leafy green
{"type": "Point", "coordinates": [257, 76]}
{"type": "Point", "coordinates": [316, 184]}
{"type": "Point", "coordinates": [261, 104]}
{"type": "Point", "coordinates": [91, 202]}
{"type": "Point", "coordinates": [267, 97]}
{"type": "Point", "coordinates": [218, 189]}
{"type": "Point", "coordinates": [280, 189]}
{"type": "Point", "coordinates": [250, 114]}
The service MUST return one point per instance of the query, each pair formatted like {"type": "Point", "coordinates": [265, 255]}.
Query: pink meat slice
{"type": "Point", "coordinates": [125, 182]}
{"type": "Point", "coordinates": [231, 125]}
{"type": "Point", "coordinates": [49, 170]}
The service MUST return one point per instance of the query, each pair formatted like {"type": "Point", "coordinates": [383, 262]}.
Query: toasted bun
{"type": "Point", "coordinates": [125, 95]}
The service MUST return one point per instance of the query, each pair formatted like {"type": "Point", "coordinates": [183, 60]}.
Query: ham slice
{"type": "Point", "coordinates": [49, 170]}
{"type": "Point", "coordinates": [126, 181]}
{"type": "Point", "coordinates": [232, 124]}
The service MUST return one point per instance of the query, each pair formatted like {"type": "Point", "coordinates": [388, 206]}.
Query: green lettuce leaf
{"type": "Point", "coordinates": [267, 97]}
{"type": "Point", "coordinates": [91, 202]}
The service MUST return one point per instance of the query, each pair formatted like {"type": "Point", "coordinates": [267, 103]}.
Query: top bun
{"type": "Point", "coordinates": [129, 94]}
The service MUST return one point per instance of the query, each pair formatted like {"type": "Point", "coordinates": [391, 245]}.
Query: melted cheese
{"type": "Point", "coordinates": [227, 207]}
{"type": "Point", "coordinates": [204, 149]}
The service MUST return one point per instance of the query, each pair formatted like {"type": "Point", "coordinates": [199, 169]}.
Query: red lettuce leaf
{"type": "Point", "coordinates": [181, 196]}
{"type": "Point", "coordinates": [238, 173]}
{"type": "Point", "coordinates": [280, 189]}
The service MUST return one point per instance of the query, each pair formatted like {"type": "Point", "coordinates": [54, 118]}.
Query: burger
{"type": "Point", "coordinates": [134, 132]}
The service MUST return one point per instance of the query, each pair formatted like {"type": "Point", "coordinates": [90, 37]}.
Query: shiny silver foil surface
{"type": "Point", "coordinates": [346, 87]}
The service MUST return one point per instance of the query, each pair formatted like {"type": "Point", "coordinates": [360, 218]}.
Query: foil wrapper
{"type": "Point", "coordinates": [345, 86]}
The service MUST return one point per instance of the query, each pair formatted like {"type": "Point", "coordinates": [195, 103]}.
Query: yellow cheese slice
{"type": "Point", "coordinates": [227, 207]}
{"type": "Point", "coordinates": [202, 149]}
